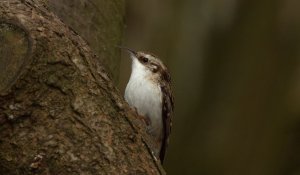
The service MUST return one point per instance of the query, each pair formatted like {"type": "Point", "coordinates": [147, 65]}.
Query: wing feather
{"type": "Point", "coordinates": [167, 113]}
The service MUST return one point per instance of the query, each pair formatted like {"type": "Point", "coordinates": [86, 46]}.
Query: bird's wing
{"type": "Point", "coordinates": [167, 113]}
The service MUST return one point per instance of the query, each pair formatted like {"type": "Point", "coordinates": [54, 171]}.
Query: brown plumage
{"type": "Point", "coordinates": [167, 114]}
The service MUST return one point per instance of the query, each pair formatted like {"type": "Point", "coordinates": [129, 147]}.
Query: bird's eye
{"type": "Point", "coordinates": [144, 59]}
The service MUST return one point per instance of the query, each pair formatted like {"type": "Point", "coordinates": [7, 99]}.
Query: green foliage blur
{"type": "Point", "coordinates": [235, 67]}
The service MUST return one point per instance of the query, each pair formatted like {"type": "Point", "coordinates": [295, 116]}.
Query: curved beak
{"type": "Point", "coordinates": [128, 50]}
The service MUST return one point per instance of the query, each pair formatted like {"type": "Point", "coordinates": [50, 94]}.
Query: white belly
{"type": "Point", "coordinates": [146, 97]}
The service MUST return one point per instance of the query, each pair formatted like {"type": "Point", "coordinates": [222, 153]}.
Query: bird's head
{"type": "Point", "coordinates": [149, 65]}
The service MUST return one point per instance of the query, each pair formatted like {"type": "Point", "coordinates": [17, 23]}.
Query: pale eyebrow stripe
{"type": "Point", "coordinates": [149, 56]}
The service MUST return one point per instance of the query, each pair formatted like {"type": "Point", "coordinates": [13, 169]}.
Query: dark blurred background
{"type": "Point", "coordinates": [235, 66]}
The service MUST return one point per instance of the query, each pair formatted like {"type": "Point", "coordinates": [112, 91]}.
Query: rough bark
{"type": "Point", "coordinates": [59, 111]}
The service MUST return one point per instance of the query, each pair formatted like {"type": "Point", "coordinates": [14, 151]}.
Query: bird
{"type": "Point", "coordinates": [149, 92]}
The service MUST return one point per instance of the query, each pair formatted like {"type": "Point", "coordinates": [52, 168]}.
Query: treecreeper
{"type": "Point", "coordinates": [149, 91]}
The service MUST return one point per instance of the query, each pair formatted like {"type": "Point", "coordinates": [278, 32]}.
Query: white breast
{"type": "Point", "coordinates": [146, 96]}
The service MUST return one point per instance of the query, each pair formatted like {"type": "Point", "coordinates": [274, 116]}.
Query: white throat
{"type": "Point", "coordinates": [138, 70]}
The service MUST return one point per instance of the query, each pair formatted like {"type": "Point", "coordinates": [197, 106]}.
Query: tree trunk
{"type": "Point", "coordinates": [59, 111]}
